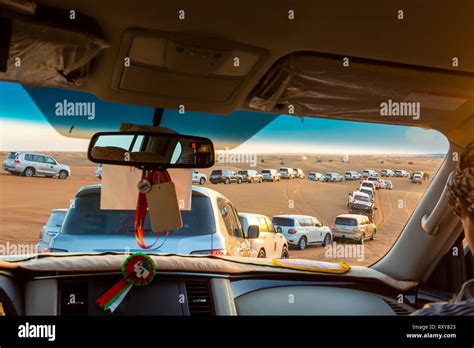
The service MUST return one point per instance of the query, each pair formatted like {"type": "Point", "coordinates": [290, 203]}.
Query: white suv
{"type": "Point", "coordinates": [352, 175]}
{"type": "Point", "coordinates": [302, 230]}
{"type": "Point", "coordinates": [31, 164]}
{"type": "Point", "coordinates": [270, 175]}
{"type": "Point", "coordinates": [287, 173]}
{"type": "Point", "coordinates": [198, 177]}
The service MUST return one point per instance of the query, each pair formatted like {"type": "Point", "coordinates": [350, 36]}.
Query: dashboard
{"type": "Point", "coordinates": [194, 294]}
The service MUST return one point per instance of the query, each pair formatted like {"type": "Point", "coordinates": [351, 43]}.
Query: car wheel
{"type": "Point", "coordinates": [284, 253]}
{"type": "Point", "coordinates": [29, 172]}
{"type": "Point", "coordinates": [362, 239]}
{"type": "Point", "coordinates": [261, 254]}
{"type": "Point", "coordinates": [302, 243]}
{"type": "Point", "coordinates": [327, 239]}
{"type": "Point", "coordinates": [251, 181]}
{"type": "Point", "coordinates": [202, 181]}
{"type": "Point", "coordinates": [227, 181]}
{"type": "Point", "coordinates": [239, 181]}
{"type": "Point", "coordinates": [62, 174]}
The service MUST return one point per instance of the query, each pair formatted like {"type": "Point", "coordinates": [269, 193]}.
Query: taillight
{"type": "Point", "coordinates": [291, 231]}
{"type": "Point", "coordinates": [355, 229]}
{"type": "Point", "coordinates": [17, 160]}
{"type": "Point", "coordinates": [219, 252]}
{"type": "Point", "coordinates": [332, 227]}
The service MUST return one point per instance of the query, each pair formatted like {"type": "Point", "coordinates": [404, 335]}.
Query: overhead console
{"type": "Point", "coordinates": [182, 66]}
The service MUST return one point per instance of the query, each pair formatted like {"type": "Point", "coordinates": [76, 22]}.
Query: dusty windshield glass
{"type": "Point", "coordinates": [291, 173]}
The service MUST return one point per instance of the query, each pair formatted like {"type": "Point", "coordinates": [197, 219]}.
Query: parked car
{"type": "Point", "coordinates": [198, 177]}
{"type": "Point", "coordinates": [368, 173]}
{"type": "Point", "coordinates": [98, 171]}
{"type": "Point", "coordinates": [387, 173]}
{"type": "Point", "coordinates": [212, 226]}
{"type": "Point", "coordinates": [388, 184]}
{"type": "Point", "coordinates": [417, 178]}
{"type": "Point", "coordinates": [370, 184]}
{"type": "Point", "coordinates": [354, 227]}
{"type": "Point", "coordinates": [412, 174]}
{"type": "Point", "coordinates": [270, 243]}
{"type": "Point", "coordinates": [302, 230]}
{"type": "Point", "coordinates": [315, 176]}
{"type": "Point", "coordinates": [51, 229]}
{"type": "Point", "coordinates": [225, 176]}
{"type": "Point", "coordinates": [299, 173]}
{"type": "Point", "coordinates": [369, 191]}
{"type": "Point", "coordinates": [360, 197]}
{"type": "Point", "coordinates": [401, 173]}
{"type": "Point", "coordinates": [250, 176]}
{"type": "Point", "coordinates": [287, 173]}
{"type": "Point", "coordinates": [363, 208]}
{"type": "Point", "coordinates": [30, 164]}
{"type": "Point", "coordinates": [377, 181]}
{"type": "Point", "coordinates": [332, 177]}
{"type": "Point", "coordinates": [352, 175]}
{"type": "Point", "coordinates": [270, 175]}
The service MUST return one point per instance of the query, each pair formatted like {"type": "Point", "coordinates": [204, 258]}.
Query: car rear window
{"type": "Point", "coordinates": [361, 198]}
{"type": "Point", "coordinates": [280, 221]}
{"type": "Point", "coordinates": [11, 155]}
{"type": "Point", "coordinates": [283, 169]}
{"type": "Point", "coordinates": [216, 172]}
{"type": "Point", "coordinates": [367, 184]}
{"type": "Point", "coordinates": [265, 172]}
{"type": "Point", "coordinates": [56, 219]}
{"type": "Point", "coordinates": [86, 218]}
{"type": "Point", "coordinates": [346, 221]}
{"type": "Point", "coordinates": [243, 172]}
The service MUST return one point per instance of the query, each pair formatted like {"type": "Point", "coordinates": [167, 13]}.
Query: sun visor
{"type": "Point", "coordinates": [338, 87]}
{"type": "Point", "coordinates": [46, 54]}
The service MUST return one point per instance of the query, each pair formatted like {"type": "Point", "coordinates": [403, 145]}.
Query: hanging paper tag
{"type": "Point", "coordinates": [163, 207]}
{"type": "Point", "coordinates": [139, 270]}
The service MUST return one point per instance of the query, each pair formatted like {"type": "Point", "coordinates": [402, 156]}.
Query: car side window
{"type": "Point", "coordinates": [302, 222]}
{"type": "Point", "coordinates": [49, 160]}
{"type": "Point", "coordinates": [309, 222]}
{"type": "Point", "coordinates": [232, 222]}
{"type": "Point", "coordinates": [37, 158]}
{"type": "Point", "coordinates": [270, 226]}
{"type": "Point", "coordinates": [315, 222]}
{"type": "Point", "coordinates": [262, 225]}
{"type": "Point", "coordinates": [28, 157]}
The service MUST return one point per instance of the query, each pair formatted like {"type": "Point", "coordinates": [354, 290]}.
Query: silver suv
{"type": "Point", "coordinates": [30, 164]}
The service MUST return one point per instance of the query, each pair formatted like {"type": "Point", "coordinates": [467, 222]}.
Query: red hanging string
{"type": "Point", "coordinates": [154, 177]}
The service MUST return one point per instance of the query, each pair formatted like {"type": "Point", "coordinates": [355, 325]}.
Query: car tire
{"type": "Point", "coordinates": [327, 240]}
{"type": "Point", "coordinates": [202, 181]}
{"type": "Point", "coordinates": [261, 254]}
{"type": "Point", "coordinates": [239, 181]}
{"type": "Point", "coordinates": [285, 254]}
{"type": "Point", "coordinates": [362, 239]}
{"type": "Point", "coordinates": [227, 181]}
{"type": "Point", "coordinates": [29, 172]}
{"type": "Point", "coordinates": [302, 243]}
{"type": "Point", "coordinates": [251, 181]}
{"type": "Point", "coordinates": [62, 175]}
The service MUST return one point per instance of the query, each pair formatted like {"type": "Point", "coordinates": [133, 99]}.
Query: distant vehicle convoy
{"type": "Point", "coordinates": [31, 164]}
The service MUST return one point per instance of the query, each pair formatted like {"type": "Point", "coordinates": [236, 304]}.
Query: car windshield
{"type": "Point", "coordinates": [282, 142]}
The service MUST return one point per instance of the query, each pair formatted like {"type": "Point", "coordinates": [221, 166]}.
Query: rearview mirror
{"type": "Point", "coordinates": [151, 150]}
{"type": "Point", "coordinates": [253, 232]}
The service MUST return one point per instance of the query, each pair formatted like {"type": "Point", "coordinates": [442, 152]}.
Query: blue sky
{"type": "Point", "coordinates": [24, 125]}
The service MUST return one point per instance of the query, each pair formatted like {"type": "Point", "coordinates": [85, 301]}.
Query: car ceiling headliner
{"type": "Point", "coordinates": [430, 35]}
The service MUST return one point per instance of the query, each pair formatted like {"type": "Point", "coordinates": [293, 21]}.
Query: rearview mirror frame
{"type": "Point", "coordinates": [253, 232]}
{"type": "Point", "coordinates": [151, 166]}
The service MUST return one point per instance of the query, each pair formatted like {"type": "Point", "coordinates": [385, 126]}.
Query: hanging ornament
{"type": "Point", "coordinates": [137, 270]}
